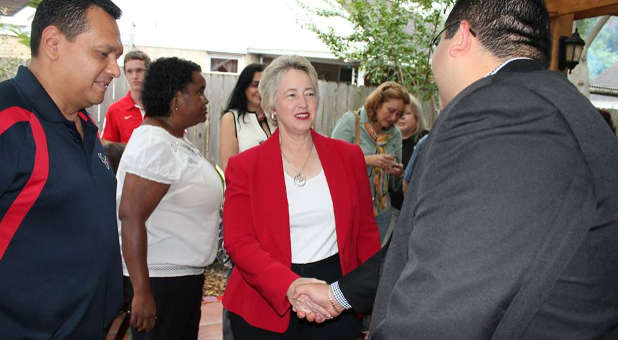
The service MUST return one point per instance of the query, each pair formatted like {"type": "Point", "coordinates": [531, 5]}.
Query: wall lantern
{"type": "Point", "coordinates": [570, 51]}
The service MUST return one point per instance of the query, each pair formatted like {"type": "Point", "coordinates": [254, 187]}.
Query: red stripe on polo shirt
{"type": "Point", "coordinates": [40, 172]}
{"type": "Point", "coordinates": [87, 118]}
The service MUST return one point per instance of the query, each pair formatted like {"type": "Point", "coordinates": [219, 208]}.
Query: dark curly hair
{"type": "Point", "coordinates": [68, 16]}
{"type": "Point", "coordinates": [238, 98]}
{"type": "Point", "coordinates": [164, 78]}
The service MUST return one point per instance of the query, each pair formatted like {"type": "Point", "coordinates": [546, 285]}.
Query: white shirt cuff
{"type": "Point", "coordinates": [338, 295]}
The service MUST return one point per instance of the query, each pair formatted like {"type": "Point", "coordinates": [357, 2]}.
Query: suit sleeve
{"type": "Point", "coordinates": [258, 268]}
{"type": "Point", "coordinates": [359, 286]}
{"type": "Point", "coordinates": [110, 127]}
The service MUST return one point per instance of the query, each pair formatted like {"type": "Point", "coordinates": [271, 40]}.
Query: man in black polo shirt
{"type": "Point", "coordinates": [60, 269]}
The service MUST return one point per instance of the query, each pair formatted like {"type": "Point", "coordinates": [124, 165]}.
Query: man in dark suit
{"type": "Point", "coordinates": [510, 227]}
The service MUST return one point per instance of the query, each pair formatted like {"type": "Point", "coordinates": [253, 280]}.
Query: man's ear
{"type": "Point", "coordinates": [462, 41]}
{"type": "Point", "coordinates": [51, 39]}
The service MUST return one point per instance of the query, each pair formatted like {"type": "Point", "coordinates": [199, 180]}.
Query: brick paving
{"type": "Point", "coordinates": [210, 324]}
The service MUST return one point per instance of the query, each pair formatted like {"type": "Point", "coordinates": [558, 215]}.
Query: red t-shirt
{"type": "Point", "coordinates": [121, 119]}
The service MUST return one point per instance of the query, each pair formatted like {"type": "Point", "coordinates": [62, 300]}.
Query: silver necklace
{"type": "Point", "coordinates": [299, 179]}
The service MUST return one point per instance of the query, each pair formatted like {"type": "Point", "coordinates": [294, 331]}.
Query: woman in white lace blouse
{"type": "Point", "coordinates": [169, 198]}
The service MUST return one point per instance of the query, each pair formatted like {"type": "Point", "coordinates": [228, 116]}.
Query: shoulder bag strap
{"type": "Point", "coordinates": [357, 128]}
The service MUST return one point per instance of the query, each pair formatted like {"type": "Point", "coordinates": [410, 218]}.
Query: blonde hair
{"type": "Point", "coordinates": [417, 111]}
{"type": "Point", "coordinates": [271, 78]}
{"type": "Point", "coordinates": [385, 92]}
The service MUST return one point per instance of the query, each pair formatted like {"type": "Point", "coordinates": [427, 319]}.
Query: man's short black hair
{"type": "Point", "coordinates": [164, 78]}
{"type": "Point", "coordinates": [507, 28]}
{"type": "Point", "coordinates": [68, 15]}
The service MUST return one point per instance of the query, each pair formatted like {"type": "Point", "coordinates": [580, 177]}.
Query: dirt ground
{"type": "Point", "coordinates": [215, 277]}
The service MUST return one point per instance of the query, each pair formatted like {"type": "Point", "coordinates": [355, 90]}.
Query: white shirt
{"type": "Point", "coordinates": [141, 110]}
{"type": "Point", "coordinates": [249, 133]}
{"type": "Point", "coordinates": [312, 220]}
{"type": "Point", "coordinates": [182, 230]}
{"type": "Point", "coordinates": [494, 71]}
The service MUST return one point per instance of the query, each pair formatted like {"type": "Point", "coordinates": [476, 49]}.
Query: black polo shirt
{"type": "Point", "coordinates": [60, 268]}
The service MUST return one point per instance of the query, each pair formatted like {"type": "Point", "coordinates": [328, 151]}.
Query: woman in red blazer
{"type": "Point", "coordinates": [296, 206]}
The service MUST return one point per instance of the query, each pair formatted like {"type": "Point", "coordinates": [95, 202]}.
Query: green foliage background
{"type": "Point", "coordinates": [379, 42]}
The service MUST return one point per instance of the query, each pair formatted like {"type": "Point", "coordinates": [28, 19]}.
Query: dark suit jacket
{"type": "Point", "coordinates": [257, 226]}
{"type": "Point", "coordinates": [510, 227]}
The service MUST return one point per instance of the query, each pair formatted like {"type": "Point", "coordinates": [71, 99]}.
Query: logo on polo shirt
{"type": "Point", "coordinates": [104, 160]}
{"type": "Point", "coordinates": [127, 117]}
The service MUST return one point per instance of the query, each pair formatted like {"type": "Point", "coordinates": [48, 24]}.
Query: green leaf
{"type": "Point", "coordinates": [380, 43]}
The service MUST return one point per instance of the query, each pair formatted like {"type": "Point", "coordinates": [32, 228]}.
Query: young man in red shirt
{"type": "Point", "coordinates": [127, 113]}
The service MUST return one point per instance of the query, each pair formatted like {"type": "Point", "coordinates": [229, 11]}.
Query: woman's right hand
{"type": "Point", "coordinates": [143, 312]}
{"type": "Point", "coordinates": [383, 160]}
{"type": "Point", "coordinates": [304, 305]}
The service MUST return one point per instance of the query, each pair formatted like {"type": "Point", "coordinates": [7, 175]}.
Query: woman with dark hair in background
{"type": "Point", "coordinates": [169, 198]}
{"type": "Point", "coordinates": [244, 124]}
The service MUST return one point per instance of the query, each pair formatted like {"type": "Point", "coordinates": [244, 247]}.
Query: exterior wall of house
{"type": "Point", "coordinates": [196, 56]}
{"type": "Point", "coordinates": [204, 58]}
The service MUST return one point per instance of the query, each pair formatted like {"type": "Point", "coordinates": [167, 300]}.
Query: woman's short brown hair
{"type": "Point", "coordinates": [385, 92]}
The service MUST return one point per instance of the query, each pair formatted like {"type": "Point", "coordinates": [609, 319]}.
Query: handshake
{"type": "Point", "coordinates": [313, 299]}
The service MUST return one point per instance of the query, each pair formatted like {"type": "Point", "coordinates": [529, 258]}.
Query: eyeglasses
{"type": "Point", "coordinates": [436, 40]}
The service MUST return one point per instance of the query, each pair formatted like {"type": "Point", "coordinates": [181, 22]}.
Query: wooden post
{"type": "Point", "coordinates": [560, 25]}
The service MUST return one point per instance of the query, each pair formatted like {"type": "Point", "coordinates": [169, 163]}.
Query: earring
{"type": "Point", "coordinates": [273, 116]}
{"type": "Point", "coordinates": [176, 108]}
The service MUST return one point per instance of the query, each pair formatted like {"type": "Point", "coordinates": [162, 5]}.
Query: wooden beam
{"type": "Point", "coordinates": [597, 12]}
{"type": "Point", "coordinates": [561, 7]}
{"type": "Point", "coordinates": [560, 25]}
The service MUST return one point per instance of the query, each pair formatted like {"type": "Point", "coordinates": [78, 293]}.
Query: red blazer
{"type": "Point", "coordinates": [257, 226]}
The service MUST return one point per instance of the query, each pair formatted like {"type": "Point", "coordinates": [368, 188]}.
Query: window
{"type": "Point", "coordinates": [345, 74]}
{"type": "Point", "coordinates": [224, 65]}
{"type": "Point", "coordinates": [328, 72]}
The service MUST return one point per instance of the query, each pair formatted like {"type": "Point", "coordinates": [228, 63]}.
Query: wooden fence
{"type": "Point", "coordinates": [335, 100]}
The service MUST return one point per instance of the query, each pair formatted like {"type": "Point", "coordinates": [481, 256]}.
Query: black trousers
{"type": "Point", "coordinates": [345, 326]}
{"type": "Point", "coordinates": [179, 302]}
